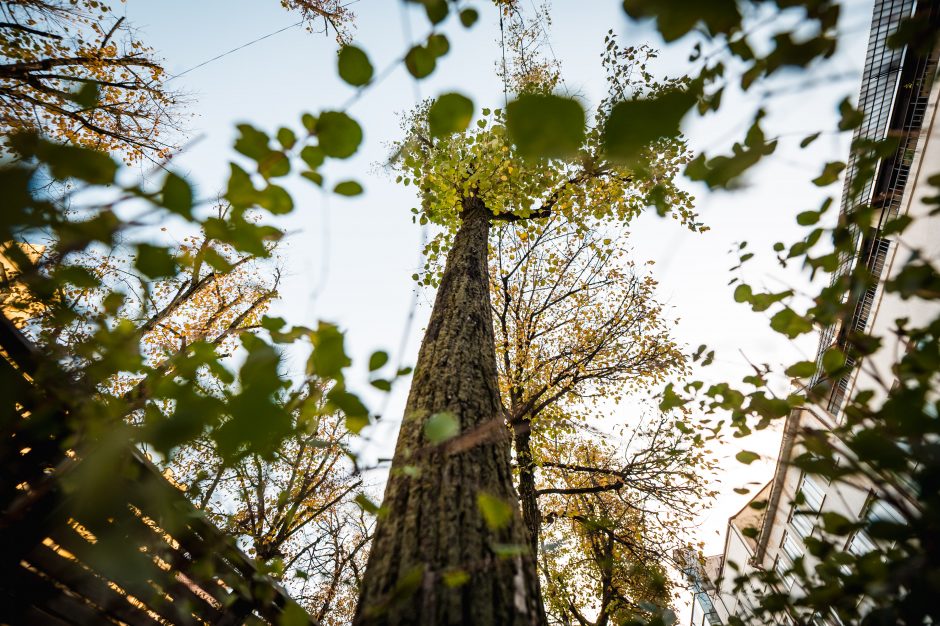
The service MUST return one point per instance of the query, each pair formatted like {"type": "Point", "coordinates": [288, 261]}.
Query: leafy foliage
{"type": "Point", "coordinates": [487, 162]}
{"type": "Point", "coordinates": [575, 318]}
{"type": "Point", "coordinates": [75, 72]}
{"type": "Point", "coordinates": [332, 14]}
{"type": "Point", "coordinates": [579, 170]}
{"type": "Point", "coordinates": [294, 511]}
{"type": "Point", "coordinates": [879, 568]}
{"type": "Point", "coordinates": [146, 330]}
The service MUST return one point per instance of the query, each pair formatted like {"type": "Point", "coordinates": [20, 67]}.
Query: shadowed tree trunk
{"type": "Point", "coordinates": [435, 559]}
{"type": "Point", "coordinates": [528, 497]}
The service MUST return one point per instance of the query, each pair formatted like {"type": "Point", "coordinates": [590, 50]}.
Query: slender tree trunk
{"type": "Point", "coordinates": [434, 559]}
{"type": "Point", "coordinates": [528, 498]}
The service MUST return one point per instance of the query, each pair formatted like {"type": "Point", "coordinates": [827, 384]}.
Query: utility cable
{"type": "Point", "coordinates": [233, 50]}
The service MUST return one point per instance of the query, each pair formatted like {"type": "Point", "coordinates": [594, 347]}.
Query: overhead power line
{"type": "Point", "coordinates": [225, 54]}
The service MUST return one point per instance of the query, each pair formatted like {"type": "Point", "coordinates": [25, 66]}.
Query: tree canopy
{"type": "Point", "coordinates": [450, 543]}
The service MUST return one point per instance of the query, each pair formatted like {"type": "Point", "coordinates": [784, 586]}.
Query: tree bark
{"type": "Point", "coordinates": [435, 559]}
{"type": "Point", "coordinates": [528, 496]}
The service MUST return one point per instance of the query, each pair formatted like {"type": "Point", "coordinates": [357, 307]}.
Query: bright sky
{"type": "Point", "coordinates": [351, 260]}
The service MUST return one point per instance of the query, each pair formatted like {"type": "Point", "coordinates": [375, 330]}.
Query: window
{"type": "Point", "coordinates": [803, 516]}
{"type": "Point", "coordinates": [812, 492]}
{"type": "Point", "coordinates": [860, 543]}
{"type": "Point", "coordinates": [791, 548]}
{"type": "Point", "coordinates": [882, 511]}
{"type": "Point", "coordinates": [802, 523]}
{"type": "Point", "coordinates": [783, 566]}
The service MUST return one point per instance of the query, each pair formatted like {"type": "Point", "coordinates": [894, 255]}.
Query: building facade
{"type": "Point", "coordinates": [899, 96]}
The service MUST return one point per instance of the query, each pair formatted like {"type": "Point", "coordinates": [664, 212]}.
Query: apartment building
{"type": "Point", "coordinates": [899, 96]}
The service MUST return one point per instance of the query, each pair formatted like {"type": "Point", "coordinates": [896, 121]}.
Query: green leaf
{"type": "Point", "coordinates": [916, 279]}
{"type": "Point", "coordinates": [469, 17]}
{"type": "Point", "coordinates": [192, 413]}
{"type": "Point", "coordinates": [350, 405]}
{"type": "Point", "coordinates": [790, 323]}
{"type": "Point", "coordinates": [635, 124]}
{"type": "Point", "coordinates": [240, 192]}
{"type": "Point", "coordinates": [450, 113]}
{"type": "Point", "coordinates": [809, 139]}
{"type": "Point", "coordinates": [377, 360]}
{"type": "Point", "coordinates": [546, 125]}
{"type": "Point", "coordinates": [440, 427]}
{"type": "Point", "coordinates": [850, 116]}
{"type": "Point", "coordinates": [313, 156]}
{"type": "Point", "coordinates": [257, 421]}
{"type": "Point", "coordinates": [310, 122]}
{"type": "Point", "coordinates": [456, 578]}
{"type": "Point", "coordinates": [671, 399]}
{"type": "Point", "coordinates": [76, 275]}
{"type": "Point", "coordinates": [252, 142]}
{"type": "Point", "coordinates": [286, 138]}
{"type": "Point", "coordinates": [763, 301]}
{"type": "Point", "coordinates": [872, 445]}
{"type": "Point", "coordinates": [897, 225]}
{"type": "Point", "coordinates": [743, 293]}
{"type": "Point", "coordinates": [355, 423]}
{"type": "Point", "coordinates": [890, 531]}
{"type": "Point", "coordinates": [803, 369]}
{"type": "Point", "coordinates": [177, 195]}
{"type": "Point", "coordinates": [354, 66]}
{"type": "Point", "coordinates": [381, 384]}
{"type": "Point", "coordinates": [746, 456]}
{"type": "Point", "coordinates": [315, 177]}
{"type": "Point", "coordinates": [276, 200]}
{"type": "Point", "coordinates": [723, 170]}
{"type": "Point", "coordinates": [155, 261]}
{"type": "Point", "coordinates": [274, 164]}
{"type": "Point", "coordinates": [438, 45]}
{"type": "Point", "coordinates": [348, 188]}
{"type": "Point", "coordinates": [272, 324]}
{"type": "Point", "coordinates": [339, 134]}
{"type": "Point", "coordinates": [329, 354]}
{"type": "Point", "coordinates": [675, 19]}
{"type": "Point", "coordinates": [436, 9]}
{"type": "Point", "coordinates": [420, 61]}
{"type": "Point", "coordinates": [407, 585]}
{"type": "Point", "coordinates": [78, 234]}
{"type": "Point", "coordinates": [293, 615]}
{"type": "Point", "coordinates": [366, 504]}
{"type": "Point", "coordinates": [87, 95]}
{"type": "Point", "coordinates": [830, 174]}
{"type": "Point", "coordinates": [833, 360]}
{"type": "Point", "coordinates": [807, 218]}
{"type": "Point", "coordinates": [509, 550]}
{"type": "Point", "coordinates": [411, 470]}
{"type": "Point", "coordinates": [837, 524]}
{"type": "Point", "coordinates": [496, 512]}
{"type": "Point", "coordinates": [67, 161]}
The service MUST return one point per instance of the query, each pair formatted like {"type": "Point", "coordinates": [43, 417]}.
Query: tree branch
{"type": "Point", "coordinates": [27, 29]}
{"type": "Point", "coordinates": [577, 490]}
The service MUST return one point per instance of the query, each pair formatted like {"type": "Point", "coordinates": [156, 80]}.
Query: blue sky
{"type": "Point", "coordinates": [351, 260]}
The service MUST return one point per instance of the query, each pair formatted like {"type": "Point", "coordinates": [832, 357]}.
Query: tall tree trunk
{"type": "Point", "coordinates": [528, 498]}
{"type": "Point", "coordinates": [435, 559]}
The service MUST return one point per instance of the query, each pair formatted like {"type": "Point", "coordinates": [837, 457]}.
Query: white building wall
{"type": "Point", "coordinates": [726, 600]}
{"type": "Point", "coordinates": [850, 500]}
